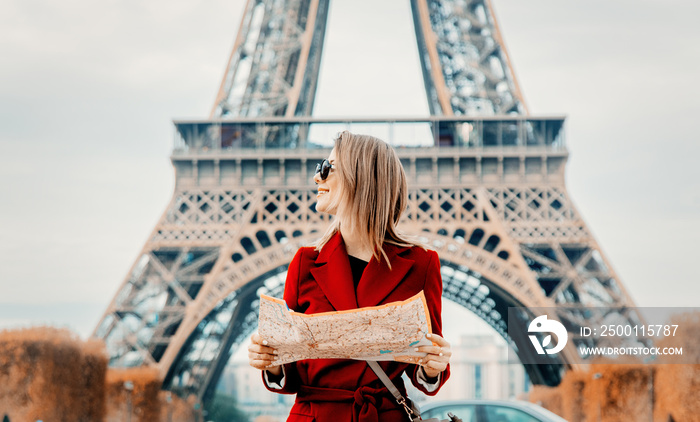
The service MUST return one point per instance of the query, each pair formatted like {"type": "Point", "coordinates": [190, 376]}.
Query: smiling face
{"type": "Point", "coordinates": [328, 190]}
{"type": "Point", "coordinates": [366, 192]}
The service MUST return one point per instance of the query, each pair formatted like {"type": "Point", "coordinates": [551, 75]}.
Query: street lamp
{"type": "Point", "coordinates": [197, 406]}
{"type": "Point", "coordinates": [597, 376]}
{"type": "Point", "coordinates": [129, 387]}
{"type": "Point", "coordinates": [169, 400]}
{"type": "Point", "coordinates": [651, 394]}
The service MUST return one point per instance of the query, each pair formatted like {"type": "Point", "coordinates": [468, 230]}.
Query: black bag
{"type": "Point", "coordinates": [411, 409]}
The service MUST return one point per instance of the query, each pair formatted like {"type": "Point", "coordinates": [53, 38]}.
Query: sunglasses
{"type": "Point", "coordinates": [323, 169]}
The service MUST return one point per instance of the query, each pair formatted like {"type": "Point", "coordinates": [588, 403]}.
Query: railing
{"type": "Point", "coordinates": [195, 136]}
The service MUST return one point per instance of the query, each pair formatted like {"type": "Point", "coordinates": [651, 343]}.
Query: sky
{"type": "Point", "coordinates": [88, 92]}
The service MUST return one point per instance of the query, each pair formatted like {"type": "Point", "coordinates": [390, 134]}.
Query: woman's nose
{"type": "Point", "coordinates": [317, 178]}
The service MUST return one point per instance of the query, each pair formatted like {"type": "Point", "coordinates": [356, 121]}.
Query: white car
{"type": "Point", "coordinates": [489, 411]}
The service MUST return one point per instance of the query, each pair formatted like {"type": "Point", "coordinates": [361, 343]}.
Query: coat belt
{"type": "Point", "coordinates": [366, 401]}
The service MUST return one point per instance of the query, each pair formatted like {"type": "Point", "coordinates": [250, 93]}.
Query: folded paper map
{"type": "Point", "coordinates": [386, 332]}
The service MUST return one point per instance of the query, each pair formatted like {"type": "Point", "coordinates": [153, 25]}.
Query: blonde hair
{"type": "Point", "coordinates": [374, 192]}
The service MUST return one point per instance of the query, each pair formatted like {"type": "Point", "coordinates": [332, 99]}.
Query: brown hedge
{"type": "Point", "coordinates": [52, 375]}
{"type": "Point", "coordinates": [547, 397]}
{"type": "Point", "coordinates": [633, 391]}
{"type": "Point", "coordinates": [677, 386]}
{"type": "Point", "coordinates": [175, 409]}
{"type": "Point", "coordinates": [142, 400]}
{"type": "Point", "coordinates": [625, 392]}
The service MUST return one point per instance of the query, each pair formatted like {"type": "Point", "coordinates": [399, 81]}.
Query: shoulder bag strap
{"type": "Point", "coordinates": [409, 407]}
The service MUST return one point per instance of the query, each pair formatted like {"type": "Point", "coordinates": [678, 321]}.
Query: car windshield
{"type": "Point", "coordinates": [490, 411]}
{"type": "Point", "coordinates": [507, 414]}
{"type": "Point", "coordinates": [466, 412]}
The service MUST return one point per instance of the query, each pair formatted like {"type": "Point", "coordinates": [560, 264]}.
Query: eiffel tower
{"type": "Point", "coordinates": [487, 192]}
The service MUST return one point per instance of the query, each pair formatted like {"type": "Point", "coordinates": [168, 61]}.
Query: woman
{"type": "Point", "coordinates": [360, 261]}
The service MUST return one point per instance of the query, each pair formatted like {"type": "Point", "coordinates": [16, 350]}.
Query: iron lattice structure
{"type": "Point", "coordinates": [487, 191]}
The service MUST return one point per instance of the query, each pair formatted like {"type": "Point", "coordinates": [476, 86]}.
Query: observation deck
{"type": "Point", "coordinates": [276, 151]}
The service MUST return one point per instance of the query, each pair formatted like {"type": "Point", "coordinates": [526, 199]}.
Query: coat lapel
{"type": "Point", "coordinates": [334, 276]}
{"type": "Point", "coordinates": [378, 281]}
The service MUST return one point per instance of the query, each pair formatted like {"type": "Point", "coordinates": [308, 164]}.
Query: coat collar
{"type": "Point", "coordinates": [334, 276]}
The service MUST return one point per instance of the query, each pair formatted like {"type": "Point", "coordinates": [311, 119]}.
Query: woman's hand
{"type": "Point", "coordinates": [438, 355]}
{"type": "Point", "coordinates": [260, 355]}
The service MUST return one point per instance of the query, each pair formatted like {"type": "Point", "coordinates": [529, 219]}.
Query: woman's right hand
{"type": "Point", "coordinates": [260, 355]}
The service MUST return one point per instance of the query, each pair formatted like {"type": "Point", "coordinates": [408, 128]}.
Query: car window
{"type": "Point", "coordinates": [465, 412]}
{"type": "Point", "coordinates": [507, 414]}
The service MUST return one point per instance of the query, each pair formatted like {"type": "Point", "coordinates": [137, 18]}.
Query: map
{"type": "Point", "coordinates": [385, 332]}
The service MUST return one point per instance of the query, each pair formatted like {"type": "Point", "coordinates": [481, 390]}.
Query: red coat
{"type": "Point", "coordinates": [322, 282]}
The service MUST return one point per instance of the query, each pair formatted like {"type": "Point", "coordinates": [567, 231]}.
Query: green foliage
{"type": "Point", "coordinates": [222, 408]}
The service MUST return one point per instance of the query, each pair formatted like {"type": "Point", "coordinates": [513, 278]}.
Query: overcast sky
{"type": "Point", "coordinates": [88, 91]}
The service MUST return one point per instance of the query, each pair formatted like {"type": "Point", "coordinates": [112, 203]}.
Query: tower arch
{"type": "Point", "coordinates": [473, 275]}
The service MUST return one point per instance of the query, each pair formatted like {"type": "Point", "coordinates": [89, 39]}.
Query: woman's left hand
{"type": "Point", "coordinates": [438, 355]}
